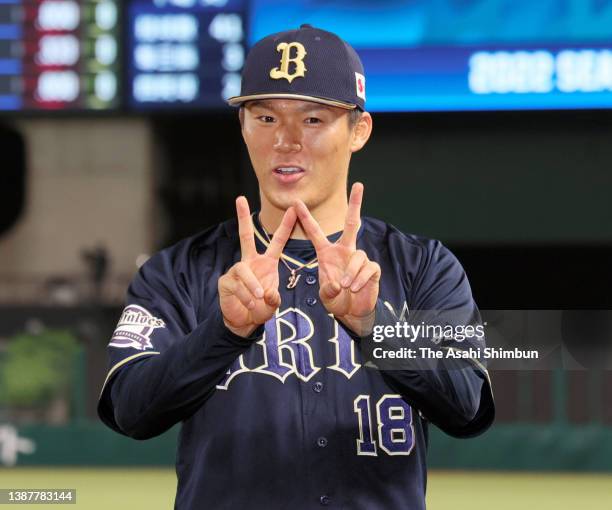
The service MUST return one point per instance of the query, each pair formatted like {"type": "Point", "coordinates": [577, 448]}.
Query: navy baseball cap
{"type": "Point", "coordinates": [309, 64]}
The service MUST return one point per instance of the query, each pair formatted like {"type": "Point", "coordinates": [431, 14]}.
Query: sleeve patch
{"type": "Point", "coordinates": [135, 327]}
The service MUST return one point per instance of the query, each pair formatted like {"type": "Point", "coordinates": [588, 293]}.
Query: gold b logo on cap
{"type": "Point", "coordinates": [283, 71]}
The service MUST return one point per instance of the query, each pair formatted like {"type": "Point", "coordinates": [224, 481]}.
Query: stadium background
{"type": "Point", "coordinates": [520, 196]}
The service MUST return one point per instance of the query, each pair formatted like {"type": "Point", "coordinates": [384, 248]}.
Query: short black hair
{"type": "Point", "coordinates": [354, 116]}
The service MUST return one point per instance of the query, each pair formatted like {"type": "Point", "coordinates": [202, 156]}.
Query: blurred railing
{"type": "Point", "coordinates": [577, 397]}
{"type": "Point", "coordinates": [62, 290]}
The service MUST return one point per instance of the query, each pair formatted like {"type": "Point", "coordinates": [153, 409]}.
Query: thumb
{"type": "Point", "coordinates": [272, 298]}
{"type": "Point", "coordinates": [330, 290]}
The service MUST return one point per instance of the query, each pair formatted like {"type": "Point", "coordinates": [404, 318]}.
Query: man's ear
{"type": "Point", "coordinates": [361, 132]}
{"type": "Point", "coordinates": [241, 117]}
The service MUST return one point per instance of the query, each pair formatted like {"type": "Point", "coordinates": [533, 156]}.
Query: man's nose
{"type": "Point", "coordinates": [288, 139]}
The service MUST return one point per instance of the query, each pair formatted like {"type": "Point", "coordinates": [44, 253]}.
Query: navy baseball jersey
{"type": "Point", "coordinates": [292, 417]}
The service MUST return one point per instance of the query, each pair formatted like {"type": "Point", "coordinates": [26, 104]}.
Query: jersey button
{"type": "Point", "coordinates": [311, 279]}
{"type": "Point", "coordinates": [311, 301]}
{"type": "Point", "coordinates": [325, 500]}
{"type": "Point", "coordinates": [318, 387]}
{"type": "Point", "coordinates": [322, 442]}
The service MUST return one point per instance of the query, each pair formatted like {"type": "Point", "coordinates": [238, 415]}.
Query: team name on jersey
{"type": "Point", "coordinates": [286, 348]}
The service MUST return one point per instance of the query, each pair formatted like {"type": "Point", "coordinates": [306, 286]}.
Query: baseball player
{"type": "Point", "coordinates": [257, 334]}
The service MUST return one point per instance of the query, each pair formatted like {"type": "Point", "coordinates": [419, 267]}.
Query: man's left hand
{"type": "Point", "coordinates": [349, 280]}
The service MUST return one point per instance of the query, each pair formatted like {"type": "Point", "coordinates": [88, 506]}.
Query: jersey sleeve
{"type": "Point", "coordinates": [454, 393]}
{"type": "Point", "coordinates": [163, 363]}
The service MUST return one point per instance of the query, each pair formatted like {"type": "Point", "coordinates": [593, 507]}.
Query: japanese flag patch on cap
{"type": "Point", "coordinates": [360, 85]}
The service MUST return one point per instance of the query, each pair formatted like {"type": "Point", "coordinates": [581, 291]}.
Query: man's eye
{"type": "Point", "coordinates": [266, 118]}
{"type": "Point", "coordinates": [313, 120]}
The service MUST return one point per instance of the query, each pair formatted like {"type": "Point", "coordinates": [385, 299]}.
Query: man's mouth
{"type": "Point", "coordinates": [288, 170]}
{"type": "Point", "coordinates": [288, 175]}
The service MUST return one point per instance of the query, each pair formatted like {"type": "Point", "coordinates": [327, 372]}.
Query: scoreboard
{"type": "Point", "coordinates": [421, 55]}
{"type": "Point", "coordinates": [59, 55]}
{"type": "Point", "coordinates": [463, 55]}
{"type": "Point", "coordinates": [185, 53]}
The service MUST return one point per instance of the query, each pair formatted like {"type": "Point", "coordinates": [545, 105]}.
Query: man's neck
{"type": "Point", "coordinates": [330, 218]}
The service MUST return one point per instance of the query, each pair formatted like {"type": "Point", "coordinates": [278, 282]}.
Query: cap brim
{"type": "Point", "coordinates": [238, 100]}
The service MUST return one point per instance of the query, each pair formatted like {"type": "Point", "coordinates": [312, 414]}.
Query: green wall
{"type": "Point", "coordinates": [504, 447]}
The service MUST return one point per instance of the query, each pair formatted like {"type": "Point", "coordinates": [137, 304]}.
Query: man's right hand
{"type": "Point", "coordinates": [248, 292]}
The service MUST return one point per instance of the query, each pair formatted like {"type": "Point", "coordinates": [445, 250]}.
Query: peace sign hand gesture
{"type": "Point", "coordinates": [349, 281]}
{"type": "Point", "coordinates": [248, 292]}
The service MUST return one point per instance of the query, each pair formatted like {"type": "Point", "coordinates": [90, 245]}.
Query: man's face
{"type": "Point", "coordinates": [301, 149]}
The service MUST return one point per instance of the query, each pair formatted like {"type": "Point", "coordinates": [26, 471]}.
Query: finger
{"type": "Point", "coordinates": [330, 290]}
{"type": "Point", "coordinates": [282, 233]}
{"type": "Point", "coordinates": [244, 273]}
{"type": "Point", "coordinates": [353, 217]}
{"type": "Point", "coordinates": [369, 273]}
{"type": "Point", "coordinates": [272, 298]}
{"type": "Point", "coordinates": [311, 227]}
{"type": "Point", "coordinates": [356, 262]}
{"type": "Point", "coordinates": [237, 289]}
{"type": "Point", "coordinates": [245, 229]}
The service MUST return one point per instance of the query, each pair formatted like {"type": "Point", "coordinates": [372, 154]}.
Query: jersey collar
{"type": "Point", "coordinates": [262, 243]}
